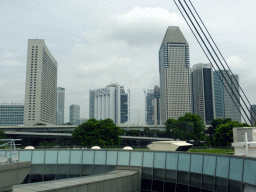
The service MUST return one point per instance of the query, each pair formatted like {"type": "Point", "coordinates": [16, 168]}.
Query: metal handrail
{"type": "Point", "coordinates": [10, 155]}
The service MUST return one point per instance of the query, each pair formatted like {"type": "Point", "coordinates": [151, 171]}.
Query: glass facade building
{"type": "Point", "coordinates": [11, 114]}
{"type": "Point", "coordinates": [202, 92]}
{"type": "Point", "coordinates": [60, 103]}
{"type": "Point", "coordinates": [225, 104]}
{"type": "Point", "coordinates": [74, 114]}
{"type": "Point", "coordinates": [253, 114]}
{"type": "Point", "coordinates": [161, 171]}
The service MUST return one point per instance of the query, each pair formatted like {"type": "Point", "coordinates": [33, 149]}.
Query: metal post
{"type": "Point", "coordinates": [246, 144]}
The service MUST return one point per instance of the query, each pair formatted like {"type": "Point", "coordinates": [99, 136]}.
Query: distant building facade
{"type": "Point", "coordinates": [83, 120]}
{"type": "Point", "coordinates": [253, 114]}
{"type": "Point", "coordinates": [153, 106]}
{"type": "Point", "coordinates": [174, 69]}
{"type": "Point", "coordinates": [60, 105]}
{"type": "Point", "coordinates": [202, 92]}
{"type": "Point", "coordinates": [226, 105]}
{"type": "Point", "coordinates": [110, 102]}
{"type": "Point", "coordinates": [41, 85]}
{"type": "Point", "coordinates": [74, 114]}
{"type": "Point", "coordinates": [11, 114]}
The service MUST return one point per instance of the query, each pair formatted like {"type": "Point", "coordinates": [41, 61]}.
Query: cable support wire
{"type": "Point", "coordinates": [211, 63]}
{"type": "Point", "coordinates": [224, 61]}
{"type": "Point", "coordinates": [213, 59]}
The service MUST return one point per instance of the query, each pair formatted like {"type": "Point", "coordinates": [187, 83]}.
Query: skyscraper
{"type": "Point", "coordinates": [153, 106]}
{"type": "Point", "coordinates": [253, 114]}
{"type": "Point", "coordinates": [149, 107]}
{"type": "Point", "coordinates": [41, 84]}
{"type": "Point", "coordinates": [109, 102]}
{"type": "Point", "coordinates": [11, 114]}
{"type": "Point", "coordinates": [74, 114]}
{"type": "Point", "coordinates": [226, 105]}
{"type": "Point", "coordinates": [60, 105]}
{"type": "Point", "coordinates": [202, 92]}
{"type": "Point", "coordinates": [174, 75]}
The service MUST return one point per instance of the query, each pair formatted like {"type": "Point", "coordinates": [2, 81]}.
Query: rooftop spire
{"type": "Point", "coordinates": [174, 35]}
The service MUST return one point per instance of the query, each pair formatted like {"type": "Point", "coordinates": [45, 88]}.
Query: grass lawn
{"type": "Point", "coordinates": [216, 150]}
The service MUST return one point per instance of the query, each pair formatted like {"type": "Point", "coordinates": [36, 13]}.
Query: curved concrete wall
{"type": "Point", "coordinates": [208, 171]}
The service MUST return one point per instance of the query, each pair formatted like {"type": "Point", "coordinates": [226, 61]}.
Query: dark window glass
{"type": "Point", "coordinates": [221, 184]}
{"type": "Point", "coordinates": [158, 186]}
{"type": "Point", "coordinates": [181, 188]}
{"type": "Point", "coordinates": [208, 182]}
{"type": "Point", "coordinates": [234, 186]}
{"type": "Point", "coordinates": [171, 175]}
{"type": "Point", "coordinates": [159, 174]}
{"type": "Point", "coordinates": [147, 173]}
{"type": "Point", "coordinates": [146, 184]}
{"type": "Point", "coordinates": [195, 180]}
{"type": "Point", "coordinates": [183, 177]}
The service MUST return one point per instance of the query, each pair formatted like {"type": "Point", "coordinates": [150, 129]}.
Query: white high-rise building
{"type": "Point", "coordinates": [60, 105]}
{"type": "Point", "coordinates": [109, 102]}
{"type": "Point", "coordinates": [174, 72]}
{"type": "Point", "coordinates": [41, 85]}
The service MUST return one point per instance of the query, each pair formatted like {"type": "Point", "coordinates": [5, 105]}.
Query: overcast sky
{"type": "Point", "coordinates": [97, 42]}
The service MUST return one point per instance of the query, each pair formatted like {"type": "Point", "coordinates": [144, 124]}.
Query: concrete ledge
{"type": "Point", "coordinates": [118, 180]}
{"type": "Point", "coordinates": [13, 174]}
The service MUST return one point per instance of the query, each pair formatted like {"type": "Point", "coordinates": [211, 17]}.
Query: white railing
{"type": "Point", "coordinates": [8, 154]}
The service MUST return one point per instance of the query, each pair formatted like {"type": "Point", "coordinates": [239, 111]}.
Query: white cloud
{"type": "Point", "coordinates": [11, 62]}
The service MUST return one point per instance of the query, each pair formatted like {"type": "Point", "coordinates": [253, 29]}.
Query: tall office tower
{"type": "Point", "coordinates": [11, 114]}
{"type": "Point", "coordinates": [202, 92]}
{"type": "Point", "coordinates": [253, 114]}
{"type": "Point", "coordinates": [91, 104]}
{"type": "Point", "coordinates": [218, 95]}
{"type": "Point", "coordinates": [149, 107]}
{"type": "Point", "coordinates": [226, 105]}
{"type": "Point", "coordinates": [153, 106]}
{"type": "Point", "coordinates": [109, 102]}
{"type": "Point", "coordinates": [156, 105]}
{"type": "Point", "coordinates": [60, 105]}
{"type": "Point", "coordinates": [174, 75]}
{"type": "Point", "coordinates": [74, 114]}
{"type": "Point", "coordinates": [41, 84]}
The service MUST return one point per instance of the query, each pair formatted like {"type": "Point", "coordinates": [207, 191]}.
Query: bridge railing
{"type": "Point", "coordinates": [8, 152]}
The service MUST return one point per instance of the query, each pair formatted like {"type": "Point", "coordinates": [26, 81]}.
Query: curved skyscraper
{"type": "Point", "coordinates": [174, 75]}
{"type": "Point", "coordinates": [41, 85]}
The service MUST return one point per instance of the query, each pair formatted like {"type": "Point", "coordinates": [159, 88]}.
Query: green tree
{"type": "Point", "coordinates": [224, 132]}
{"type": "Point", "coordinates": [186, 127]}
{"type": "Point", "coordinates": [94, 132]}
{"type": "Point", "coordinates": [133, 133]}
{"type": "Point", "coordinates": [40, 124]}
{"type": "Point", "coordinates": [2, 136]}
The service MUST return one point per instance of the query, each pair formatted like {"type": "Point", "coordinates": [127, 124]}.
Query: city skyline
{"type": "Point", "coordinates": [100, 50]}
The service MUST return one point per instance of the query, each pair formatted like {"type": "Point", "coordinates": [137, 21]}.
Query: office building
{"type": "Point", "coordinates": [41, 85]}
{"type": "Point", "coordinates": [149, 107]}
{"type": "Point", "coordinates": [174, 72]}
{"type": "Point", "coordinates": [83, 120]}
{"type": "Point", "coordinates": [11, 114]}
{"type": "Point", "coordinates": [153, 106]}
{"type": "Point", "coordinates": [74, 114]}
{"type": "Point", "coordinates": [60, 103]}
{"type": "Point", "coordinates": [202, 92]}
{"type": "Point", "coordinates": [253, 114]}
{"type": "Point", "coordinates": [109, 102]}
{"type": "Point", "coordinates": [226, 104]}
